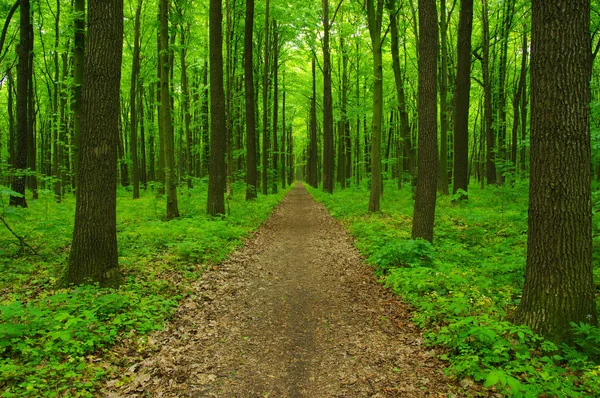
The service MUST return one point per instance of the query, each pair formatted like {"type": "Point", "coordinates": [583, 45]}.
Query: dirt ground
{"type": "Point", "coordinates": [294, 313]}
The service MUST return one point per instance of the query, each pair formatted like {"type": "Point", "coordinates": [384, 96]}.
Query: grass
{"type": "Point", "coordinates": [466, 285]}
{"type": "Point", "coordinates": [51, 337]}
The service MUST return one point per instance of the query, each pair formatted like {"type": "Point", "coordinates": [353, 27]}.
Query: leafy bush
{"type": "Point", "coordinates": [466, 286]}
{"type": "Point", "coordinates": [51, 336]}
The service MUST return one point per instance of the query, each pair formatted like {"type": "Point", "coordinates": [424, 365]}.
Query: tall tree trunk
{"type": "Point", "coordinates": [166, 117]}
{"type": "Point", "coordinates": [462, 97]}
{"type": "Point", "coordinates": [205, 123]}
{"type": "Point", "coordinates": [187, 115]}
{"type": "Point", "coordinates": [56, 150]}
{"type": "Point", "coordinates": [284, 149]}
{"type": "Point", "coordinates": [23, 73]}
{"type": "Point", "coordinates": [328, 148]}
{"type": "Point", "coordinates": [375, 17]}
{"type": "Point", "coordinates": [94, 256]}
{"type": "Point", "coordinates": [31, 133]}
{"type": "Point", "coordinates": [312, 153]}
{"type": "Point", "coordinates": [11, 119]}
{"type": "Point", "coordinates": [217, 175]}
{"type": "Point", "coordinates": [505, 27]}
{"type": "Point", "coordinates": [78, 60]}
{"type": "Point", "coordinates": [425, 198]}
{"type": "Point", "coordinates": [265, 131]}
{"type": "Point", "coordinates": [487, 88]}
{"type": "Point", "coordinates": [161, 133]}
{"type": "Point", "coordinates": [559, 287]}
{"type": "Point", "coordinates": [143, 170]}
{"type": "Point", "coordinates": [443, 170]}
{"type": "Point", "coordinates": [524, 102]}
{"type": "Point", "coordinates": [400, 93]}
{"type": "Point", "coordinates": [135, 68]}
{"type": "Point", "coordinates": [275, 102]}
{"type": "Point", "coordinates": [251, 176]}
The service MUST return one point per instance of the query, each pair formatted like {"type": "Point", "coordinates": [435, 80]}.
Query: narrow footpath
{"type": "Point", "coordinates": [293, 313]}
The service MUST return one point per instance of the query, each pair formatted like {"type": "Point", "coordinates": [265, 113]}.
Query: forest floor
{"type": "Point", "coordinates": [293, 313]}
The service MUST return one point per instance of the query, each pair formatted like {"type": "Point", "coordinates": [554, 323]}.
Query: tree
{"type": "Point", "coordinates": [135, 68]}
{"type": "Point", "coordinates": [425, 197]}
{"type": "Point", "coordinates": [218, 133]}
{"type": "Point", "coordinates": [265, 100]}
{"type": "Point", "coordinates": [312, 151]}
{"type": "Point", "coordinates": [78, 59]}
{"type": "Point", "coordinates": [23, 78]}
{"type": "Point", "coordinates": [250, 119]}
{"type": "Point", "coordinates": [166, 118]}
{"type": "Point", "coordinates": [93, 254]}
{"type": "Point", "coordinates": [328, 149]}
{"type": "Point", "coordinates": [559, 287]}
{"type": "Point", "coordinates": [375, 19]}
{"type": "Point", "coordinates": [461, 105]}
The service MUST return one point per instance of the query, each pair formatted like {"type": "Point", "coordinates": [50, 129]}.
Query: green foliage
{"type": "Point", "coordinates": [466, 286]}
{"type": "Point", "coordinates": [51, 336]}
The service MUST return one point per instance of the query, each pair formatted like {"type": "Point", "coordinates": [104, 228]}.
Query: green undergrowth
{"type": "Point", "coordinates": [51, 338]}
{"type": "Point", "coordinates": [465, 287]}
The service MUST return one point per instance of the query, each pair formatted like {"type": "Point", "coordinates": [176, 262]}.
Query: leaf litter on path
{"type": "Point", "coordinates": [293, 313]}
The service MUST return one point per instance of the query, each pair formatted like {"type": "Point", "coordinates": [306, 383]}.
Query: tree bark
{"type": "Point", "coordinates": [23, 73]}
{"type": "Point", "coordinates": [487, 88]}
{"type": "Point", "coordinates": [443, 171]}
{"type": "Point", "coordinates": [312, 152]}
{"type": "Point", "coordinates": [462, 97]}
{"type": "Point", "coordinates": [135, 67]}
{"type": "Point", "coordinates": [559, 287]}
{"type": "Point", "coordinates": [265, 99]}
{"type": "Point", "coordinates": [78, 59]}
{"type": "Point", "coordinates": [166, 116]}
{"type": "Point", "coordinates": [375, 17]}
{"type": "Point", "coordinates": [218, 132]}
{"type": "Point", "coordinates": [93, 256]}
{"type": "Point", "coordinates": [425, 198]}
{"type": "Point", "coordinates": [251, 176]}
{"type": "Point", "coordinates": [275, 148]}
{"type": "Point", "coordinates": [328, 149]}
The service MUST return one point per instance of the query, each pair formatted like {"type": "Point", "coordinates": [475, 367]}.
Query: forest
{"type": "Point", "coordinates": [230, 198]}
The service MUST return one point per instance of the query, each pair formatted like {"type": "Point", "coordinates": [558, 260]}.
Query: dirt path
{"type": "Point", "coordinates": [294, 313]}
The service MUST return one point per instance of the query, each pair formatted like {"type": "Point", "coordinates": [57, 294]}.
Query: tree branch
{"type": "Point", "coordinates": [7, 22]}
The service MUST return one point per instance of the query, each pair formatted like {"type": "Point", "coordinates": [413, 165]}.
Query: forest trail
{"type": "Point", "coordinates": [293, 313]}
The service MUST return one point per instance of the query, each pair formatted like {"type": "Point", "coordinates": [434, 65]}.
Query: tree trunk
{"type": "Point", "coordinates": [135, 67]}
{"type": "Point", "coordinates": [375, 17]}
{"type": "Point", "coordinates": [462, 97]}
{"type": "Point", "coordinates": [487, 88]}
{"type": "Point", "coordinates": [31, 133]}
{"type": "Point", "coordinates": [187, 115]}
{"type": "Point", "coordinates": [94, 256]}
{"type": "Point", "coordinates": [251, 176]}
{"type": "Point", "coordinates": [425, 198]}
{"type": "Point", "coordinates": [559, 287]}
{"type": "Point", "coordinates": [328, 148]}
{"type": "Point", "coordinates": [265, 98]}
{"type": "Point", "coordinates": [166, 117]}
{"type": "Point", "coordinates": [78, 59]}
{"type": "Point", "coordinates": [217, 174]}
{"type": "Point", "coordinates": [443, 171]}
{"type": "Point", "coordinates": [312, 153]}
{"type": "Point", "coordinates": [524, 103]}
{"type": "Point", "coordinates": [23, 73]}
{"type": "Point", "coordinates": [275, 103]}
